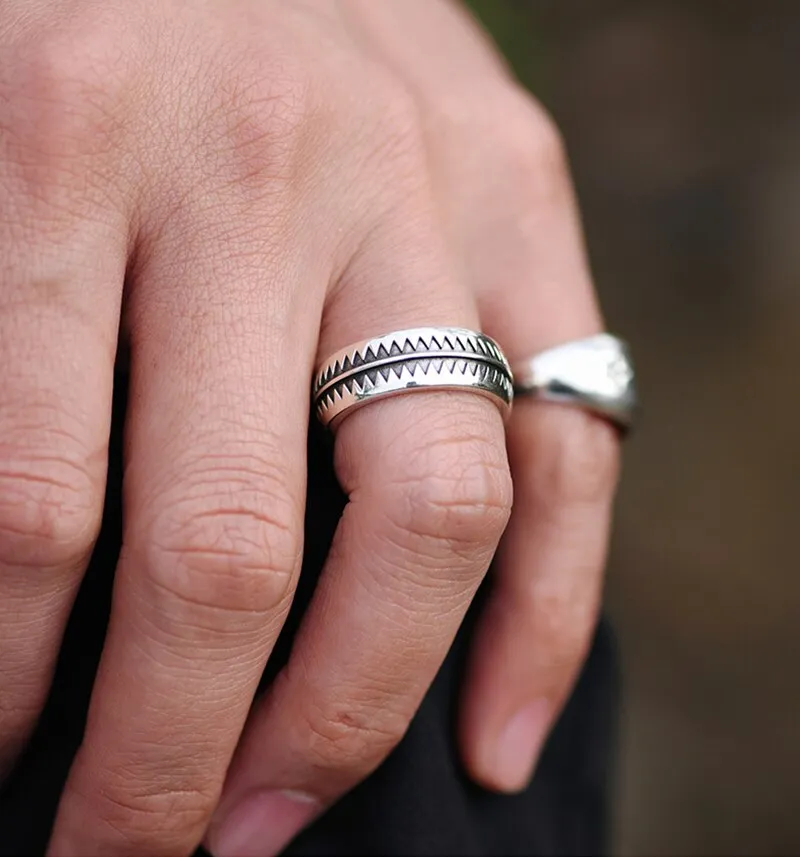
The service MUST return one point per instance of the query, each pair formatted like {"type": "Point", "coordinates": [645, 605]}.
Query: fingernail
{"type": "Point", "coordinates": [262, 825]}
{"type": "Point", "coordinates": [519, 745]}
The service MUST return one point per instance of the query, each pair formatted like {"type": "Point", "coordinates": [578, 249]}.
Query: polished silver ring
{"type": "Point", "coordinates": [594, 373]}
{"type": "Point", "coordinates": [420, 358]}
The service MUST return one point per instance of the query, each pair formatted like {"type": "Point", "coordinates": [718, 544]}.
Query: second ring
{"type": "Point", "coordinates": [446, 358]}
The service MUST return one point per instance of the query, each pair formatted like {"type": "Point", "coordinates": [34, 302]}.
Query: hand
{"type": "Point", "coordinates": [256, 184]}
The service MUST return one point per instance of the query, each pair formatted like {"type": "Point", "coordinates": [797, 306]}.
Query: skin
{"type": "Point", "coordinates": [232, 190]}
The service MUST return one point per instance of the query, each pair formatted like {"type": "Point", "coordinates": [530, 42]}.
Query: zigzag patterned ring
{"type": "Point", "coordinates": [420, 358]}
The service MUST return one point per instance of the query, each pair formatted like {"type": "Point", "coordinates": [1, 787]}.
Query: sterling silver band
{"type": "Point", "coordinates": [594, 373]}
{"type": "Point", "coordinates": [420, 358]}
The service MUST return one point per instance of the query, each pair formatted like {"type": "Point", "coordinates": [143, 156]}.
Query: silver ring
{"type": "Point", "coordinates": [594, 373]}
{"type": "Point", "coordinates": [420, 358]}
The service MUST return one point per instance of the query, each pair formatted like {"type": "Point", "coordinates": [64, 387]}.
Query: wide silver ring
{"type": "Point", "coordinates": [595, 373]}
{"type": "Point", "coordinates": [403, 361]}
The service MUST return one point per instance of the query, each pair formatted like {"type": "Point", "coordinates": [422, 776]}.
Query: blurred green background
{"type": "Point", "coordinates": [682, 119]}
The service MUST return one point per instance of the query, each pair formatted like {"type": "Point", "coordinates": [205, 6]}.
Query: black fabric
{"type": "Point", "coordinates": [419, 801]}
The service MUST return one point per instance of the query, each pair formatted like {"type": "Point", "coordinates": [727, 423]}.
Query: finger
{"type": "Point", "coordinates": [535, 633]}
{"type": "Point", "coordinates": [533, 639]}
{"type": "Point", "coordinates": [429, 494]}
{"type": "Point", "coordinates": [221, 345]}
{"type": "Point", "coordinates": [63, 248]}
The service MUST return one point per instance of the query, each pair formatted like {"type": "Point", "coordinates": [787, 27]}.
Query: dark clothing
{"type": "Point", "coordinates": [419, 801]}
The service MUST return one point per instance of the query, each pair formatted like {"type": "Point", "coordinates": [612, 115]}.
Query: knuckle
{"type": "Point", "coordinates": [539, 132]}
{"type": "Point", "coordinates": [350, 740]}
{"type": "Point", "coordinates": [50, 508]}
{"type": "Point", "coordinates": [456, 490]}
{"type": "Point", "coordinates": [140, 815]}
{"type": "Point", "coordinates": [62, 88]}
{"type": "Point", "coordinates": [262, 113]}
{"type": "Point", "coordinates": [531, 150]}
{"type": "Point", "coordinates": [232, 542]}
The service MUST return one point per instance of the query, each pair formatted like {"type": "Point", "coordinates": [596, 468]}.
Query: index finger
{"type": "Point", "coordinates": [214, 496]}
